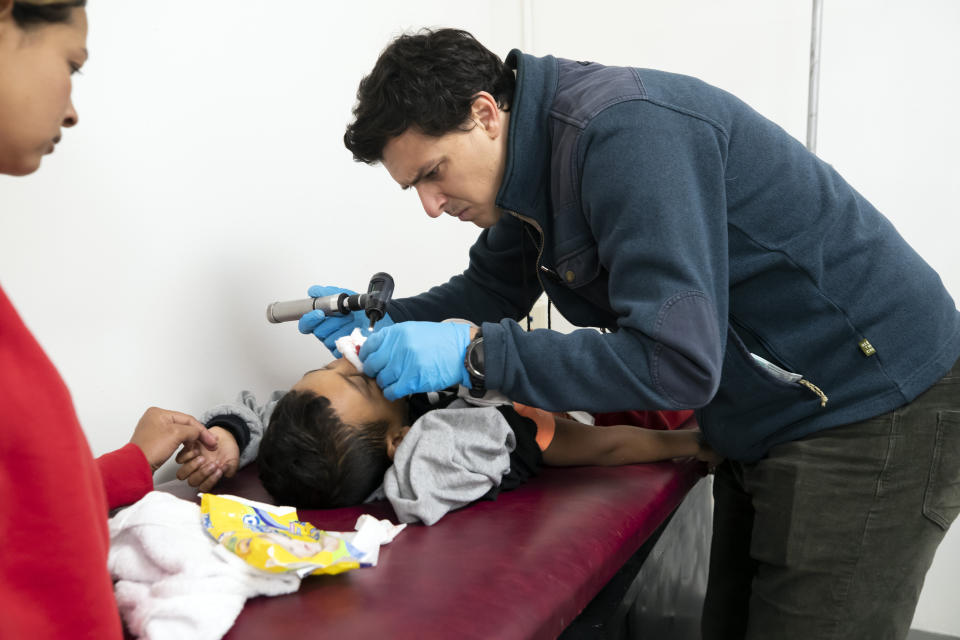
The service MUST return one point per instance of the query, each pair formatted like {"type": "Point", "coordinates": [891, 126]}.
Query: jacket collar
{"type": "Point", "coordinates": [526, 178]}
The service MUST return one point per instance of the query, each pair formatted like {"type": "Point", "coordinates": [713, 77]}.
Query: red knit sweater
{"type": "Point", "coordinates": [54, 499]}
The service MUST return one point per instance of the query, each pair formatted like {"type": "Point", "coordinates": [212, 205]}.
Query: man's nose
{"type": "Point", "coordinates": [70, 118]}
{"type": "Point", "coordinates": [432, 199]}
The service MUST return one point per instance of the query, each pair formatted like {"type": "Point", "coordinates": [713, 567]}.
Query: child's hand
{"type": "Point", "coordinates": [203, 469]}
{"type": "Point", "coordinates": [706, 454]}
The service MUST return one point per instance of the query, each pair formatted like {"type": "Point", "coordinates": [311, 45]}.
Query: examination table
{"type": "Point", "coordinates": [522, 566]}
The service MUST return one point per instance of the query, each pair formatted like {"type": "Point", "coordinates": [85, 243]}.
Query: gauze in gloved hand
{"type": "Point", "coordinates": [349, 347]}
{"type": "Point", "coordinates": [328, 329]}
{"type": "Point", "coordinates": [416, 357]}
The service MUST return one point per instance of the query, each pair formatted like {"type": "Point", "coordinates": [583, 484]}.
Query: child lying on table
{"type": "Point", "coordinates": [334, 438]}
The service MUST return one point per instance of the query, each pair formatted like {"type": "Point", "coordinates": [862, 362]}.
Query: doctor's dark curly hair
{"type": "Point", "coordinates": [426, 80]}
{"type": "Point", "coordinates": [309, 458]}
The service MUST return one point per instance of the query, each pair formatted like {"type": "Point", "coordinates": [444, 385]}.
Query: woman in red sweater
{"type": "Point", "coordinates": [54, 497]}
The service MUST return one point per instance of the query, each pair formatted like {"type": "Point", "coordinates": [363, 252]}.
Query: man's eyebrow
{"type": "Point", "coordinates": [427, 168]}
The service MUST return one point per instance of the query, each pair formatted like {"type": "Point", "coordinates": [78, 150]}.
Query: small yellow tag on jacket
{"type": "Point", "coordinates": [867, 348]}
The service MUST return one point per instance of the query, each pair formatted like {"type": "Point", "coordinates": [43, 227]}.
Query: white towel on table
{"type": "Point", "coordinates": [173, 579]}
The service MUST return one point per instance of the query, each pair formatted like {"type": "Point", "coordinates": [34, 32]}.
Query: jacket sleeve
{"type": "Point", "coordinates": [126, 475]}
{"type": "Point", "coordinates": [501, 281]}
{"type": "Point", "coordinates": [448, 459]}
{"type": "Point", "coordinates": [246, 419]}
{"type": "Point", "coordinates": [653, 193]}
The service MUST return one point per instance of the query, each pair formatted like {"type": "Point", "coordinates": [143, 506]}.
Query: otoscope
{"type": "Point", "coordinates": [373, 302]}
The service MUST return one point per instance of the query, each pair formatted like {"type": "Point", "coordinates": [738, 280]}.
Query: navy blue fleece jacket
{"type": "Point", "coordinates": [700, 234]}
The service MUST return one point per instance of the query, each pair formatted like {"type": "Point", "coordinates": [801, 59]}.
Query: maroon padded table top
{"type": "Point", "coordinates": [522, 566]}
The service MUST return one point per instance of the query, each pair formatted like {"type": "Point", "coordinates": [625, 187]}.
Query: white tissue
{"type": "Point", "coordinates": [371, 535]}
{"type": "Point", "coordinates": [350, 345]}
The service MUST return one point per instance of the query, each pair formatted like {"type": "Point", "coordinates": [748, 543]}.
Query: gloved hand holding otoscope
{"type": "Point", "coordinates": [405, 358]}
{"type": "Point", "coordinates": [330, 302]}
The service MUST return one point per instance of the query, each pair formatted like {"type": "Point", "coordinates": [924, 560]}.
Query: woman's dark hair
{"type": "Point", "coordinates": [309, 458]}
{"type": "Point", "coordinates": [28, 14]}
{"type": "Point", "coordinates": [427, 80]}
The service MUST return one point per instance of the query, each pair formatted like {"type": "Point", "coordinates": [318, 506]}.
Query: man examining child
{"type": "Point", "coordinates": [334, 438]}
{"type": "Point", "coordinates": [738, 274]}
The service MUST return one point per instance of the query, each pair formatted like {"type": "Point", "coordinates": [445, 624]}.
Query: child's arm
{"type": "Point", "coordinates": [576, 444]}
{"type": "Point", "coordinates": [246, 419]}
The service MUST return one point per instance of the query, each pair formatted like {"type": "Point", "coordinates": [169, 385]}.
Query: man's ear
{"type": "Point", "coordinates": [486, 114]}
{"type": "Point", "coordinates": [6, 12]}
{"type": "Point", "coordinates": [10, 32]}
{"type": "Point", "coordinates": [394, 438]}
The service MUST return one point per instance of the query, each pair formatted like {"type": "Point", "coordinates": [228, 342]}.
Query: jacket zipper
{"type": "Point", "coordinates": [533, 223]}
{"type": "Point", "coordinates": [816, 390]}
{"type": "Point", "coordinates": [782, 375]}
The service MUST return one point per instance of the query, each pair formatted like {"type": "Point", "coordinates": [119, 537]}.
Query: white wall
{"type": "Point", "coordinates": [207, 175]}
{"type": "Point", "coordinates": [207, 178]}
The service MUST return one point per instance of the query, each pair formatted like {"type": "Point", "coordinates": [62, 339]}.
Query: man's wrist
{"type": "Point", "coordinates": [473, 362]}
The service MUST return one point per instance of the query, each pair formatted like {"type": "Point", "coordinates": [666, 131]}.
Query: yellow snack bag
{"type": "Point", "coordinates": [271, 538]}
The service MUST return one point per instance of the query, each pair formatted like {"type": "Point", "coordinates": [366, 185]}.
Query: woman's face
{"type": "Point", "coordinates": [35, 68]}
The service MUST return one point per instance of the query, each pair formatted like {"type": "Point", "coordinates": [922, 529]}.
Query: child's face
{"type": "Point", "coordinates": [356, 398]}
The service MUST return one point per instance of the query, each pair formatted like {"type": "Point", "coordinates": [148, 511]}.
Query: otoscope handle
{"type": "Point", "coordinates": [336, 304]}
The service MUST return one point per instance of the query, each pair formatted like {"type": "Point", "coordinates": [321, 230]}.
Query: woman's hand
{"type": "Point", "coordinates": [160, 432]}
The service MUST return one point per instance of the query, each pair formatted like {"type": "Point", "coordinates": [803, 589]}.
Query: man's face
{"type": "Point", "coordinates": [458, 173]}
{"type": "Point", "coordinates": [355, 397]}
{"type": "Point", "coordinates": [35, 69]}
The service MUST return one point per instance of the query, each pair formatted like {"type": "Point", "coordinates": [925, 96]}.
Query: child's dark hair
{"type": "Point", "coordinates": [309, 458]}
{"type": "Point", "coordinates": [426, 80]}
{"type": "Point", "coordinates": [27, 14]}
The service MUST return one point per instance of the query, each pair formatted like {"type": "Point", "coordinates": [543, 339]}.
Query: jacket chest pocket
{"type": "Point", "coordinates": [582, 273]}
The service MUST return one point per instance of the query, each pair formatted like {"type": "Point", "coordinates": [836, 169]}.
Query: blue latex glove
{"type": "Point", "coordinates": [328, 328]}
{"type": "Point", "coordinates": [416, 357]}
